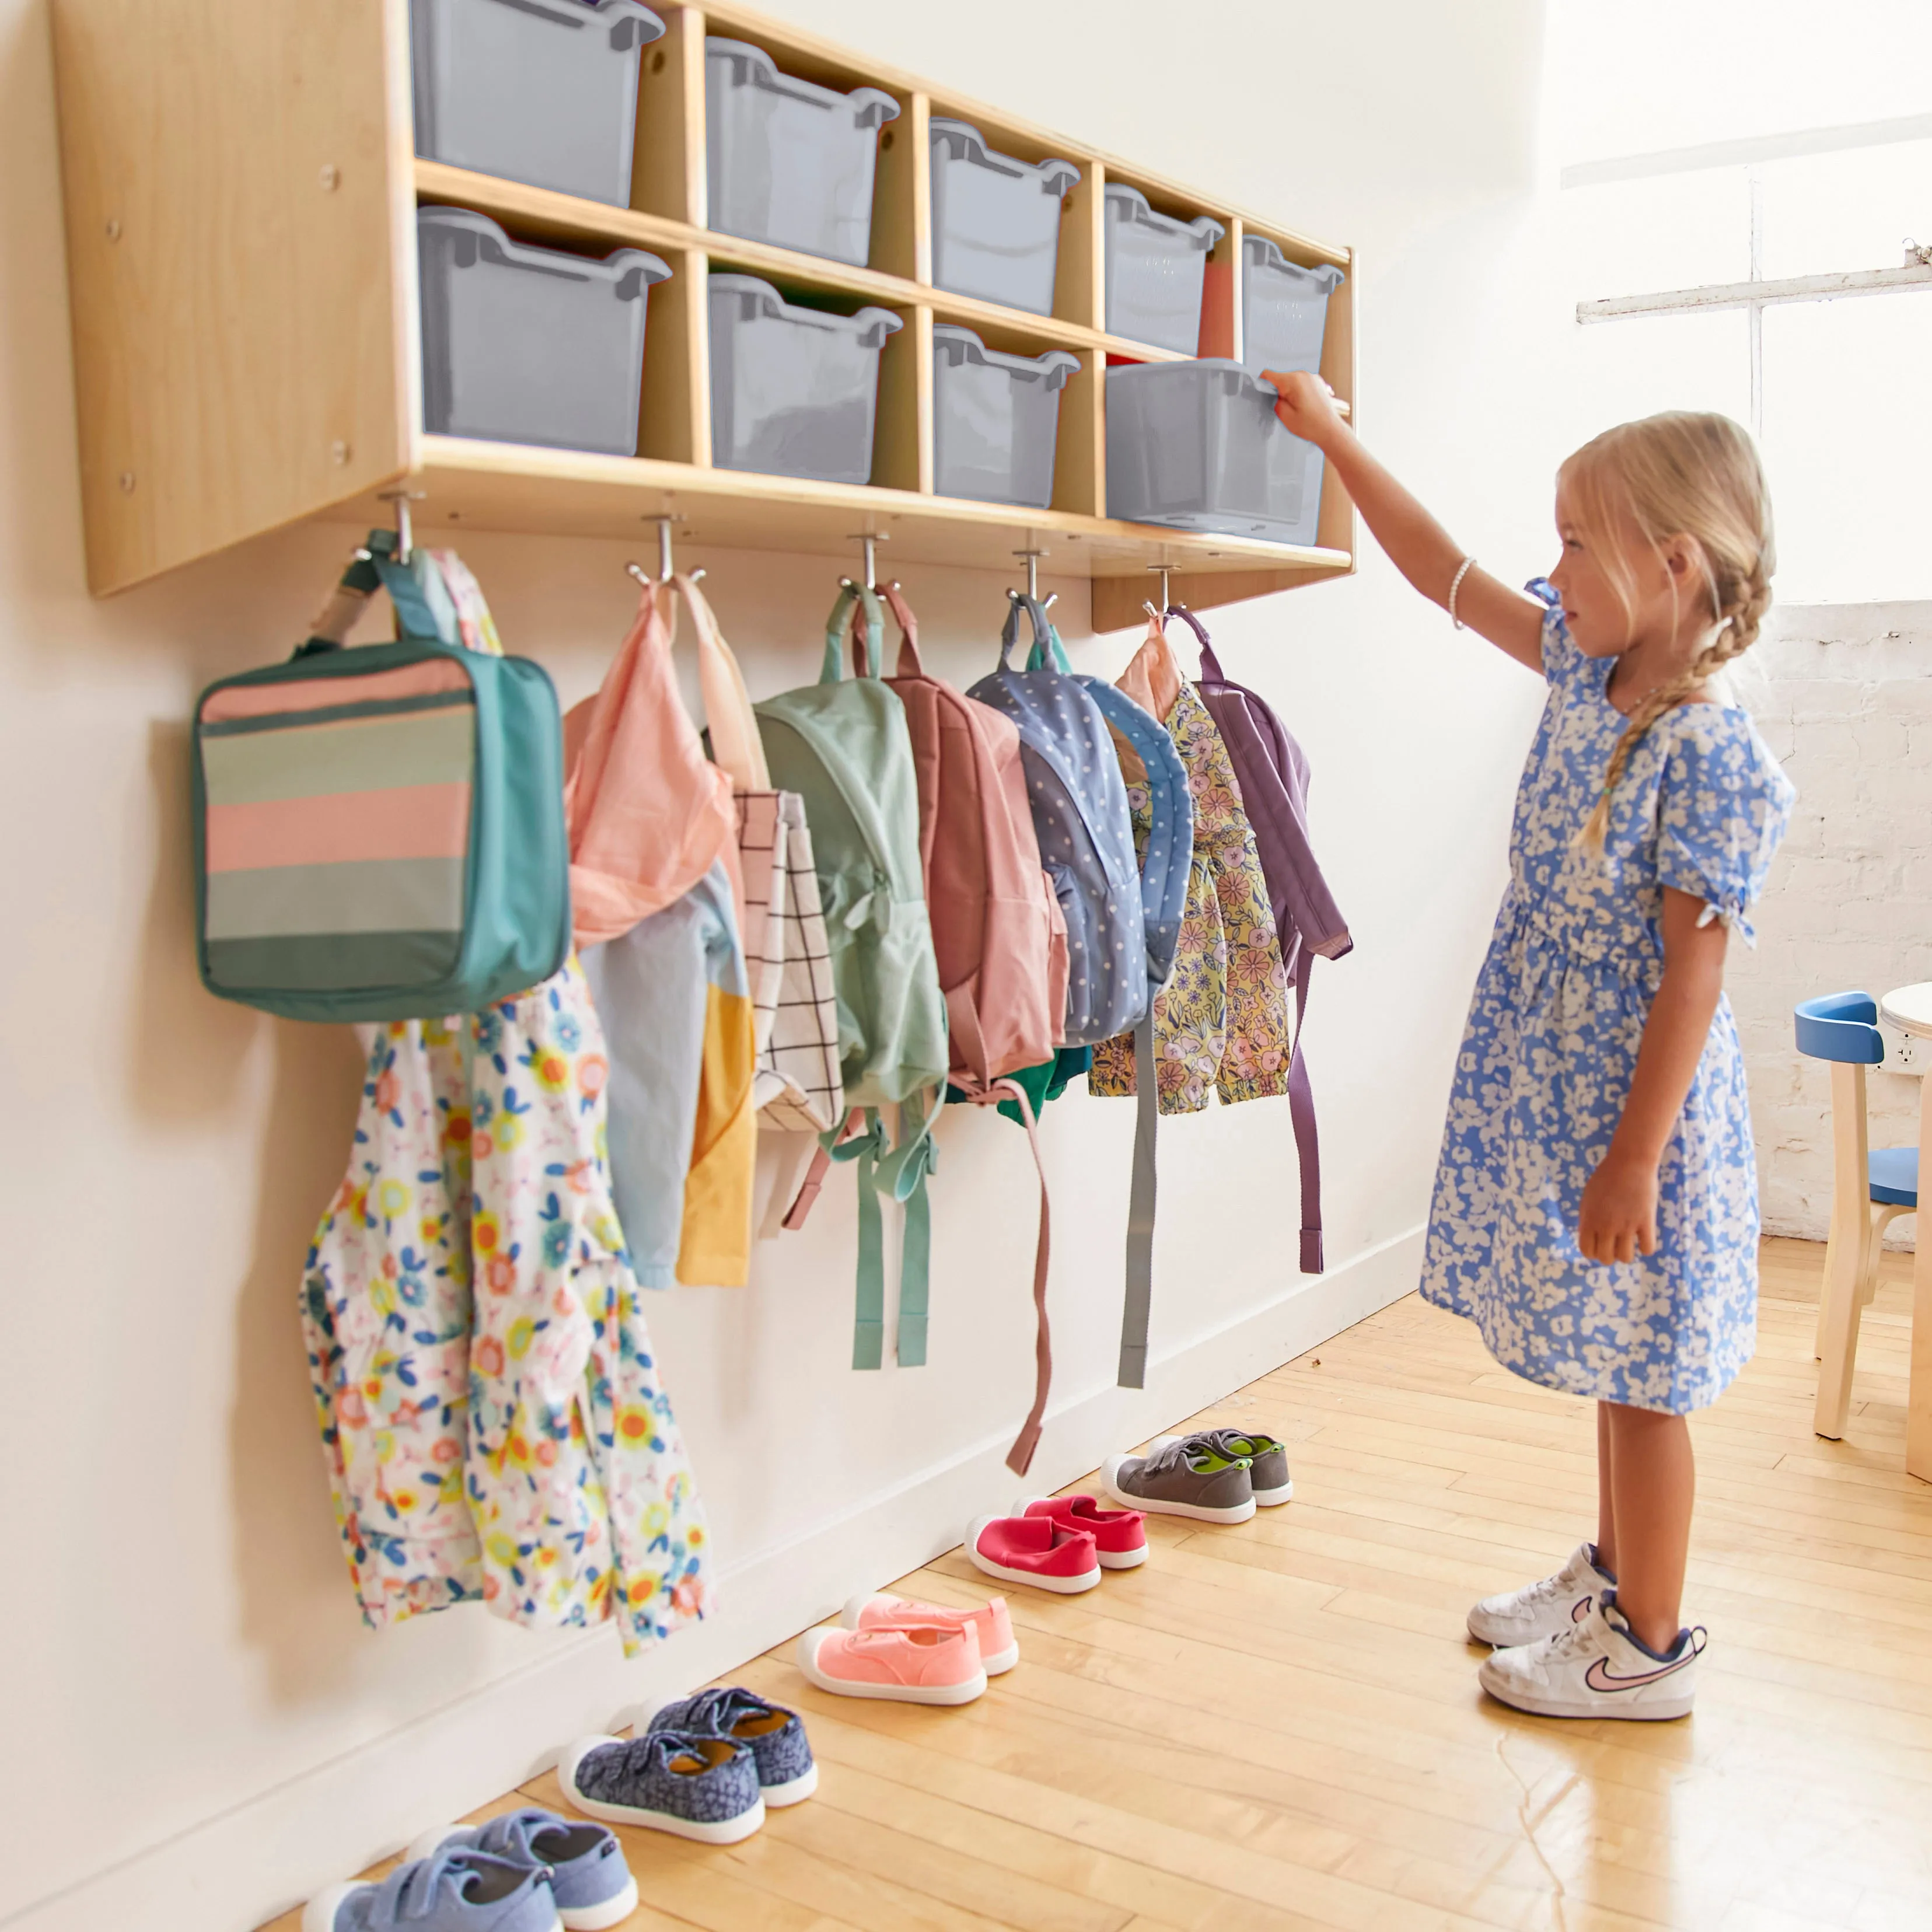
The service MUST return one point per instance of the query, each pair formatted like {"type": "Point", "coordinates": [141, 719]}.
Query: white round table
{"type": "Point", "coordinates": [1909, 1009]}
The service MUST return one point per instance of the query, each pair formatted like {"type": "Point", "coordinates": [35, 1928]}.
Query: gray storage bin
{"type": "Point", "coordinates": [1284, 307]}
{"type": "Point", "coordinates": [995, 419]}
{"type": "Point", "coordinates": [1197, 446]}
{"type": "Point", "coordinates": [794, 391]}
{"type": "Point", "coordinates": [995, 220]}
{"type": "Point", "coordinates": [526, 345]}
{"type": "Point", "coordinates": [538, 91]}
{"type": "Point", "coordinates": [787, 161]}
{"type": "Point", "coordinates": [1155, 266]}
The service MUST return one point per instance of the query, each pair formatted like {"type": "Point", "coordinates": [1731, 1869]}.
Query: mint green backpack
{"type": "Point", "coordinates": [843, 744]}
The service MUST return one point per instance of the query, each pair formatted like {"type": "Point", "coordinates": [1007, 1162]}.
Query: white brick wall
{"type": "Point", "coordinates": [1842, 693]}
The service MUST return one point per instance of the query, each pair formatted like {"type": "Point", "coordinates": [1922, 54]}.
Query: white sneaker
{"type": "Point", "coordinates": [1542, 1609]}
{"type": "Point", "coordinates": [1595, 1669]}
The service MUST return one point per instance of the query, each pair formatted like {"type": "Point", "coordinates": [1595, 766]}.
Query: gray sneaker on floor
{"type": "Point", "coordinates": [1190, 1477]}
{"type": "Point", "coordinates": [1267, 1459]}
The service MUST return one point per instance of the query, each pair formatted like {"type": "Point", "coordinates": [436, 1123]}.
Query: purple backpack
{"type": "Point", "coordinates": [1272, 771]}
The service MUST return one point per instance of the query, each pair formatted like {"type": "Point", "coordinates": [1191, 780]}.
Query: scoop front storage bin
{"type": "Point", "coordinates": [995, 419]}
{"type": "Point", "coordinates": [1197, 446]}
{"type": "Point", "coordinates": [526, 345]}
{"type": "Point", "coordinates": [787, 161]}
{"type": "Point", "coordinates": [1284, 307]}
{"type": "Point", "coordinates": [538, 91]}
{"type": "Point", "coordinates": [794, 391]}
{"type": "Point", "coordinates": [1156, 265]}
{"type": "Point", "coordinates": [995, 220]}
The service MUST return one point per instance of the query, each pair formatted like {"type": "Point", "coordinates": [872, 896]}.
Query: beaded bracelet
{"type": "Point", "coordinates": [1456, 584]}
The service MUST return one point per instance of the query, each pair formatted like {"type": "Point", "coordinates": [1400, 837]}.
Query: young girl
{"type": "Point", "coordinates": [1595, 1210]}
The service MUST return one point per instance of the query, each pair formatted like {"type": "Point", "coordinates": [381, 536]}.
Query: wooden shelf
{"type": "Point", "coordinates": [246, 312]}
{"type": "Point", "coordinates": [496, 486]}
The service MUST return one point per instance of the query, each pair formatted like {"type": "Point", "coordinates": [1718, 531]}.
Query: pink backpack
{"type": "Point", "coordinates": [997, 931]}
{"type": "Point", "coordinates": [998, 934]}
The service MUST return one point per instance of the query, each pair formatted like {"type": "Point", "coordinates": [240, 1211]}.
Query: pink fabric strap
{"type": "Point", "coordinates": [735, 742]}
{"type": "Point", "coordinates": [1019, 1457]}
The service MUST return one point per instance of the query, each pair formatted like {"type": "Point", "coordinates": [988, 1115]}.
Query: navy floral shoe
{"type": "Point", "coordinates": [786, 1772]}
{"type": "Point", "coordinates": [693, 1787]}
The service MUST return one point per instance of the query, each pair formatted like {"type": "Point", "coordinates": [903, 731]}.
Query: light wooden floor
{"type": "Point", "coordinates": [1278, 1726]}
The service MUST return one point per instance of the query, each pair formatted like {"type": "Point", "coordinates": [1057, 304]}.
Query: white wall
{"type": "Point", "coordinates": [1842, 693]}
{"type": "Point", "coordinates": [196, 1728]}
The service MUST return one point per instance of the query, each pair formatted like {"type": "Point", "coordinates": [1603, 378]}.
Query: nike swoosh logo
{"type": "Point", "coordinates": [1598, 1675]}
{"type": "Point", "coordinates": [1581, 1608]}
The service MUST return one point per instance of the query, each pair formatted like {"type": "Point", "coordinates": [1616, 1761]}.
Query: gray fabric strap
{"type": "Point", "coordinates": [1140, 1213]}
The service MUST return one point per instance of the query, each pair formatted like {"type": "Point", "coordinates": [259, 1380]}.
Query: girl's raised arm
{"type": "Point", "coordinates": [1417, 545]}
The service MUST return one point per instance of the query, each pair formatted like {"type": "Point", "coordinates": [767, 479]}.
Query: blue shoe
{"type": "Point", "coordinates": [453, 1891]}
{"type": "Point", "coordinates": [787, 1773]}
{"type": "Point", "coordinates": [593, 1885]}
{"type": "Point", "coordinates": [701, 1788]}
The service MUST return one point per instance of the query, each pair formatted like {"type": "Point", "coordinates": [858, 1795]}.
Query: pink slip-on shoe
{"type": "Point", "coordinates": [1034, 1550]}
{"type": "Point", "coordinates": [1120, 1536]}
{"type": "Point", "coordinates": [878, 1609]}
{"type": "Point", "coordinates": [912, 1663]}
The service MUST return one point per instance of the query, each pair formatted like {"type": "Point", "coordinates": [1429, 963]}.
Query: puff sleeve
{"type": "Point", "coordinates": [1722, 806]}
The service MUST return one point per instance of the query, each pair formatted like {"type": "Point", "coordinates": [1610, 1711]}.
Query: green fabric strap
{"type": "Point", "coordinates": [850, 594]}
{"type": "Point", "coordinates": [869, 1328]}
{"type": "Point", "coordinates": [915, 1268]}
{"type": "Point", "coordinates": [903, 1170]}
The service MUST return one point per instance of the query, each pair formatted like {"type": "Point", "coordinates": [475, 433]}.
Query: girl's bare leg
{"type": "Point", "coordinates": [1648, 1482]}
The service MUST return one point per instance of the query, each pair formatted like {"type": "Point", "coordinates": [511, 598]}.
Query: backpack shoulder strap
{"type": "Point", "coordinates": [851, 594]}
{"type": "Point", "coordinates": [909, 664]}
{"type": "Point", "coordinates": [422, 616]}
{"type": "Point", "coordinates": [1210, 665]}
{"type": "Point", "coordinates": [1170, 846]}
{"type": "Point", "coordinates": [735, 743]}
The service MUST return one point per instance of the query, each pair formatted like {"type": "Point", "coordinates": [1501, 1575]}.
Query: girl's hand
{"type": "Point", "coordinates": [1305, 405]}
{"type": "Point", "coordinates": [1617, 1219]}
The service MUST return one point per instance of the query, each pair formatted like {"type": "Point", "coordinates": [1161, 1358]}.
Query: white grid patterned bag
{"type": "Point", "coordinates": [799, 1084]}
{"type": "Point", "coordinates": [796, 1013]}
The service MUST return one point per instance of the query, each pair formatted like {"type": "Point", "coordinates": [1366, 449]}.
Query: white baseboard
{"type": "Point", "coordinates": [236, 1869]}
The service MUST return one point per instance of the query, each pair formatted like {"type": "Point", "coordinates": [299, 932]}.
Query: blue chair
{"type": "Point", "coordinates": [1871, 1187]}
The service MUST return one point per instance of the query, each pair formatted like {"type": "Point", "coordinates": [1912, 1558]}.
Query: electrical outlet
{"type": "Point", "coordinates": [1903, 1052]}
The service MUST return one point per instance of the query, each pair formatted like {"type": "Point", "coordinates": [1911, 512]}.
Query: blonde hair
{"type": "Point", "coordinates": [1680, 474]}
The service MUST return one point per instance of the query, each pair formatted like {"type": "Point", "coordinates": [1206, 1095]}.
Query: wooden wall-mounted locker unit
{"type": "Point", "coordinates": [241, 190]}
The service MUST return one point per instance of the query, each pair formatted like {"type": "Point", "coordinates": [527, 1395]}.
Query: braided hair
{"type": "Point", "coordinates": [1679, 474]}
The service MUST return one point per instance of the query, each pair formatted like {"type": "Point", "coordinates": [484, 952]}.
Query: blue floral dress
{"type": "Point", "coordinates": [1552, 1042]}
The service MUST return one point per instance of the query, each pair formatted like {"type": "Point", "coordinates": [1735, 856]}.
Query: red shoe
{"type": "Point", "coordinates": [1034, 1550]}
{"type": "Point", "coordinates": [1120, 1536]}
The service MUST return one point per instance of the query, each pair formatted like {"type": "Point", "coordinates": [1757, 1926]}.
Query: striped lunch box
{"type": "Point", "coordinates": [379, 833]}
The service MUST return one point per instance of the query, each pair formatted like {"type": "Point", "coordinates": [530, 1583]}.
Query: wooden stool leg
{"type": "Point", "coordinates": [1850, 1259]}
{"type": "Point", "coordinates": [1849, 1254]}
{"type": "Point", "coordinates": [1919, 1401]}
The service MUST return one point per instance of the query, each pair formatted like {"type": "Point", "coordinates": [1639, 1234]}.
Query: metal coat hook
{"type": "Point", "coordinates": [405, 533]}
{"type": "Point", "coordinates": [869, 543]}
{"type": "Point", "coordinates": [666, 569]}
{"type": "Point", "coordinates": [1163, 571]}
{"type": "Point", "coordinates": [1033, 557]}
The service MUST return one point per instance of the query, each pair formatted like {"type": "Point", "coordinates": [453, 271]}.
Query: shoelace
{"type": "Point", "coordinates": [1561, 1584]}
{"type": "Point", "coordinates": [1578, 1640]}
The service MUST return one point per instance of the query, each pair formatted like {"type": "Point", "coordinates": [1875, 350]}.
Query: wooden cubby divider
{"type": "Point", "coordinates": [227, 387]}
